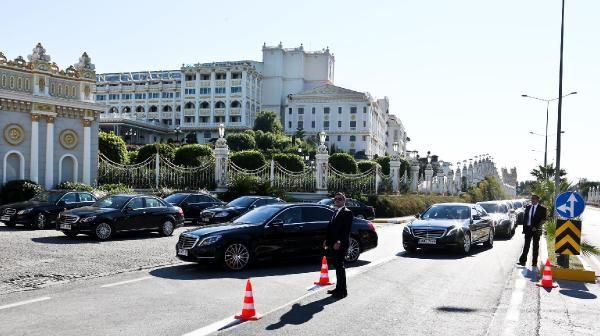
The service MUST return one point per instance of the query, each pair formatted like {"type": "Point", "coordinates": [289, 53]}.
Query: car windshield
{"type": "Point", "coordinates": [490, 207]}
{"type": "Point", "coordinates": [518, 205]}
{"type": "Point", "coordinates": [175, 198]}
{"type": "Point", "coordinates": [242, 202]}
{"type": "Point", "coordinates": [326, 201]}
{"type": "Point", "coordinates": [447, 212]}
{"type": "Point", "coordinates": [49, 197]}
{"type": "Point", "coordinates": [113, 202]}
{"type": "Point", "coordinates": [257, 216]}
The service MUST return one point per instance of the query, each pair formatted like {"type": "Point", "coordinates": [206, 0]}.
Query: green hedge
{"type": "Point", "coordinates": [75, 186]}
{"type": "Point", "coordinates": [366, 165]}
{"type": "Point", "coordinates": [241, 141]}
{"type": "Point", "coordinates": [250, 159]}
{"type": "Point", "coordinates": [165, 150]}
{"type": "Point", "coordinates": [113, 147]}
{"type": "Point", "coordinates": [406, 205]}
{"type": "Point", "coordinates": [193, 155]}
{"type": "Point", "coordinates": [18, 191]}
{"type": "Point", "coordinates": [291, 162]}
{"type": "Point", "coordinates": [343, 162]}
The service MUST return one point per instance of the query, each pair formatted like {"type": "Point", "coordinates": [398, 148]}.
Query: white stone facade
{"type": "Point", "coordinates": [396, 133]}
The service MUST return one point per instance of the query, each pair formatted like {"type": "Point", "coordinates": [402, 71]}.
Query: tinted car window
{"type": "Point", "coordinates": [291, 216]}
{"type": "Point", "coordinates": [447, 212]}
{"type": "Point", "coordinates": [327, 201]}
{"type": "Point", "coordinates": [136, 203]}
{"type": "Point", "coordinates": [112, 202]}
{"type": "Point", "coordinates": [352, 203]}
{"type": "Point", "coordinates": [70, 198]}
{"type": "Point", "coordinates": [85, 197]}
{"type": "Point", "coordinates": [153, 203]}
{"type": "Point", "coordinates": [259, 203]}
{"type": "Point", "coordinates": [316, 214]}
{"type": "Point", "coordinates": [243, 202]}
{"type": "Point", "coordinates": [257, 216]}
{"type": "Point", "coordinates": [204, 198]}
{"type": "Point", "coordinates": [272, 201]}
{"type": "Point", "coordinates": [490, 207]}
{"type": "Point", "coordinates": [481, 211]}
{"type": "Point", "coordinates": [175, 198]}
{"type": "Point", "coordinates": [503, 208]}
{"type": "Point", "coordinates": [45, 196]}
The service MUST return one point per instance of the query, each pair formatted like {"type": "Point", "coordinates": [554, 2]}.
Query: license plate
{"type": "Point", "coordinates": [427, 241]}
{"type": "Point", "coordinates": [182, 252]}
{"type": "Point", "coordinates": [205, 219]}
{"type": "Point", "coordinates": [65, 226]}
{"type": "Point", "coordinates": [5, 218]}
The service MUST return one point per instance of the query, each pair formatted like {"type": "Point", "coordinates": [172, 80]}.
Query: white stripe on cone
{"type": "Point", "coordinates": [248, 306]}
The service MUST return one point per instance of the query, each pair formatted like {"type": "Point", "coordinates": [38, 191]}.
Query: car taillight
{"type": "Point", "coordinates": [371, 226]}
{"type": "Point", "coordinates": [180, 210]}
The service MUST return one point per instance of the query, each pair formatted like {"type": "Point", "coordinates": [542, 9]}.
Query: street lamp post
{"type": "Point", "coordinates": [547, 115]}
{"type": "Point", "coordinates": [130, 134]}
{"type": "Point", "coordinates": [177, 132]}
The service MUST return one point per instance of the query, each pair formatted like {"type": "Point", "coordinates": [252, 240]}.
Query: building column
{"type": "Point", "coordinates": [87, 151]}
{"type": "Point", "coordinates": [49, 182]}
{"type": "Point", "coordinates": [35, 147]}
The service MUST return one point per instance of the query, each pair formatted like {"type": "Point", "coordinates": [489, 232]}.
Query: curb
{"type": "Point", "coordinates": [563, 273]}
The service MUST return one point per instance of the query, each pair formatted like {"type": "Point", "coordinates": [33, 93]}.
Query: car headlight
{"type": "Point", "coordinates": [452, 230]}
{"type": "Point", "coordinates": [87, 219]}
{"type": "Point", "coordinates": [25, 211]}
{"type": "Point", "coordinates": [407, 229]}
{"type": "Point", "coordinates": [222, 214]}
{"type": "Point", "coordinates": [209, 240]}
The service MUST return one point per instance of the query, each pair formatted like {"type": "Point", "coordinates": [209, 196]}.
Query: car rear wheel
{"type": "Point", "coordinates": [103, 231]}
{"type": "Point", "coordinates": [39, 222]}
{"type": "Point", "coordinates": [353, 251]}
{"type": "Point", "coordinates": [167, 228]}
{"type": "Point", "coordinates": [489, 243]}
{"type": "Point", "coordinates": [236, 257]}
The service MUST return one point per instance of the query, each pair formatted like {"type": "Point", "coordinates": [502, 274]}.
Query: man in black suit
{"type": "Point", "coordinates": [533, 219]}
{"type": "Point", "coordinates": [337, 242]}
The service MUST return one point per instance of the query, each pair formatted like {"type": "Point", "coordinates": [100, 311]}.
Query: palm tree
{"type": "Point", "coordinates": [544, 172]}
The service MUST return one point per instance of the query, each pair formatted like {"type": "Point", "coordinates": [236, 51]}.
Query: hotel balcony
{"type": "Point", "coordinates": [220, 111]}
{"type": "Point", "coordinates": [141, 87]}
{"type": "Point", "coordinates": [236, 82]}
{"type": "Point", "coordinates": [166, 115]}
{"type": "Point", "coordinates": [190, 84]}
{"type": "Point", "coordinates": [235, 111]}
{"type": "Point", "coordinates": [220, 83]}
{"type": "Point", "coordinates": [152, 115]}
{"type": "Point", "coordinates": [190, 112]}
{"type": "Point", "coordinates": [204, 112]}
{"type": "Point", "coordinates": [205, 83]}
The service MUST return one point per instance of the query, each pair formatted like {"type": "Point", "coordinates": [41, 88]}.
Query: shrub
{"type": "Point", "coordinates": [267, 121]}
{"type": "Point", "coordinates": [291, 162]}
{"type": "Point", "coordinates": [364, 166]}
{"type": "Point", "coordinates": [250, 159]}
{"type": "Point", "coordinates": [241, 185]}
{"type": "Point", "coordinates": [111, 189]}
{"type": "Point", "coordinates": [343, 162]}
{"type": "Point", "coordinates": [163, 192]}
{"type": "Point", "coordinates": [113, 147]}
{"type": "Point", "coordinates": [193, 155]}
{"type": "Point", "coordinates": [406, 205]}
{"type": "Point", "coordinates": [384, 162]}
{"type": "Point", "coordinates": [165, 150]}
{"type": "Point", "coordinates": [18, 191]}
{"type": "Point", "coordinates": [241, 141]}
{"type": "Point", "coordinates": [132, 156]}
{"type": "Point", "coordinates": [75, 186]}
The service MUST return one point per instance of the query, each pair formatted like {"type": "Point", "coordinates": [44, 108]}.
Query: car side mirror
{"type": "Point", "coordinates": [253, 206]}
{"type": "Point", "coordinates": [418, 215]}
{"type": "Point", "coordinates": [276, 224]}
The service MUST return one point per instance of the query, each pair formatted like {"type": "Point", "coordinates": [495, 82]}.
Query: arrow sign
{"type": "Point", "coordinates": [569, 204]}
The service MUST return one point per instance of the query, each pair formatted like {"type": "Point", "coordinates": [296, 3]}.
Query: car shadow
{"type": "Point", "coordinates": [441, 253]}
{"type": "Point", "coordinates": [301, 313]}
{"type": "Point", "coordinates": [3, 227]}
{"type": "Point", "coordinates": [85, 239]}
{"type": "Point", "coordinates": [576, 290]}
{"type": "Point", "coordinates": [192, 271]}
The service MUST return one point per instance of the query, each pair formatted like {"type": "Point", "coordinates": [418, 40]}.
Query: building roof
{"type": "Point", "coordinates": [329, 89]}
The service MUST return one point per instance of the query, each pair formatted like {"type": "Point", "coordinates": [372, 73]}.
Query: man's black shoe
{"type": "Point", "coordinates": [521, 263]}
{"type": "Point", "coordinates": [339, 295]}
{"type": "Point", "coordinates": [332, 291]}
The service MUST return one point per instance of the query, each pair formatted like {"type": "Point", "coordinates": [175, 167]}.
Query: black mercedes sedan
{"type": "Point", "coordinates": [457, 225]}
{"type": "Point", "coordinates": [503, 217]}
{"type": "Point", "coordinates": [358, 208]}
{"type": "Point", "coordinates": [235, 208]}
{"type": "Point", "coordinates": [192, 204]}
{"type": "Point", "coordinates": [42, 210]}
{"type": "Point", "coordinates": [117, 213]}
{"type": "Point", "coordinates": [272, 231]}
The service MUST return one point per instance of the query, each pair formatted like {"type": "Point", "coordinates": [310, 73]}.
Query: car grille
{"type": "Point", "coordinates": [9, 211]}
{"type": "Point", "coordinates": [428, 233]}
{"type": "Point", "coordinates": [186, 242]}
{"type": "Point", "coordinates": [68, 219]}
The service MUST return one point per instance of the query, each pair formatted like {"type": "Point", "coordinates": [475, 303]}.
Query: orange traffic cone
{"type": "Point", "coordinates": [248, 312]}
{"type": "Point", "coordinates": [547, 277]}
{"type": "Point", "coordinates": [324, 279]}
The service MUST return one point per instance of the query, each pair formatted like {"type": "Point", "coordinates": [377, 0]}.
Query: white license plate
{"type": "Point", "coordinates": [427, 241]}
{"type": "Point", "coordinates": [205, 219]}
{"type": "Point", "coordinates": [5, 218]}
{"type": "Point", "coordinates": [182, 252]}
{"type": "Point", "coordinates": [65, 226]}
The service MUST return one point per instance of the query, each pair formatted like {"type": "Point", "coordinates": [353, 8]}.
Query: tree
{"type": "Point", "coordinates": [165, 150]}
{"type": "Point", "coordinates": [193, 155]}
{"type": "Point", "coordinates": [248, 159]}
{"type": "Point", "coordinates": [366, 165]}
{"type": "Point", "coordinates": [241, 141]}
{"type": "Point", "coordinates": [343, 162]}
{"type": "Point", "coordinates": [267, 121]}
{"type": "Point", "coordinates": [113, 147]}
{"type": "Point", "coordinates": [291, 162]}
{"type": "Point", "coordinates": [384, 162]}
{"type": "Point", "coordinates": [544, 172]}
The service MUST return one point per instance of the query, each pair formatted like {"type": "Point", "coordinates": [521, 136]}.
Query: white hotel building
{"type": "Point", "coordinates": [160, 106]}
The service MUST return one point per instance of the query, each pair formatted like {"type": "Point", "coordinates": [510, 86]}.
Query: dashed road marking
{"type": "Point", "coordinates": [21, 303]}
{"type": "Point", "coordinates": [125, 282]}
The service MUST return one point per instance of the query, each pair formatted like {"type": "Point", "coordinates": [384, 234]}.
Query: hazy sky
{"type": "Point", "coordinates": [454, 70]}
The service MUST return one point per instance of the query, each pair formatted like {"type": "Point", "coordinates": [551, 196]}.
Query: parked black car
{"type": "Point", "coordinates": [272, 231]}
{"type": "Point", "coordinates": [235, 208]}
{"type": "Point", "coordinates": [359, 209]}
{"type": "Point", "coordinates": [192, 204]}
{"type": "Point", "coordinates": [116, 213]}
{"type": "Point", "coordinates": [42, 210]}
{"type": "Point", "coordinates": [457, 225]}
{"type": "Point", "coordinates": [502, 215]}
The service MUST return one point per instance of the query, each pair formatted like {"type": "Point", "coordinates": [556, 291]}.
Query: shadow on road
{"type": "Point", "coordinates": [441, 253]}
{"type": "Point", "coordinates": [453, 309]}
{"type": "Point", "coordinates": [258, 270]}
{"type": "Point", "coordinates": [300, 314]}
{"type": "Point", "coordinates": [576, 290]}
{"type": "Point", "coordinates": [85, 239]}
{"type": "Point", "coordinates": [16, 228]}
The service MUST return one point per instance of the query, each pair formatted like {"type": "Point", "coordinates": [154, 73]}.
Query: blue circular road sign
{"type": "Point", "coordinates": [569, 204]}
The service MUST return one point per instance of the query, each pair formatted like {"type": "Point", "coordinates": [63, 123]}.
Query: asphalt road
{"type": "Point", "coordinates": [590, 231]}
{"type": "Point", "coordinates": [390, 292]}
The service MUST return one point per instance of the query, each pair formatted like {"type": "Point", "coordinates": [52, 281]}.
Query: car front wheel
{"type": "Point", "coordinates": [103, 231]}
{"type": "Point", "coordinates": [39, 222]}
{"type": "Point", "coordinates": [465, 247]}
{"type": "Point", "coordinates": [353, 251]}
{"type": "Point", "coordinates": [167, 228]}
{"type": "Point", "coordinates": [490, 241]}
{"type": "Point", "coordinates": [236, 256]}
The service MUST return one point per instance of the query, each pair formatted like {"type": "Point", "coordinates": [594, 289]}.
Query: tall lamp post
{"type": "Point", "coordinates": [547, 110]}
{"type": "Point", "coordinates": [562, 259]}
{"type": "Point", "coordinates": [130, 134]}
{"type": "Point", "coordinates": [177, 132]}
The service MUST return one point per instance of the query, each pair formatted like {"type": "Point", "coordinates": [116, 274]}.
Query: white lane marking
{"type": "Point", "coordinates": [214, 327]}
{"type": "Point", "coordinates": [16, 304]}
{"type": "Point", "coordinates": [513, 312]}
{"type": "Point", "coordinates": [125, 282]}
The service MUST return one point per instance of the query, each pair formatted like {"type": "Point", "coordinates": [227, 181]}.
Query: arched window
{"type": "Point", "coordinates": [126, 109]}
{"type": "Point", "coordinates": [189, 105]}
{"type": "Point", "coordinates": [235, 103]}
{"type": "Point", "coordinates": [139, 109]}
{"type": "Point", "coordinates": [220, 104]}
{"type": "Point", "coordinates": [167, 108]}
{"type": "Point", "coordinates": [205, 105]}
{"type": "Point", "coordinates": [113, 110]}
{"type": "Point", "coordinates": [153, 108]}
{"type": "Point", "coordinates": [67, 168]}
{"type": "Point", "coordinates": [14, 166]}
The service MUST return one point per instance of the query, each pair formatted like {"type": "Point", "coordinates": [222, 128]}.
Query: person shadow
{"type": "Point", "coordinates": [300, 314]}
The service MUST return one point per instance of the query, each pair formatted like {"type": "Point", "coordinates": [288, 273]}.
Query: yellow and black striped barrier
{"type": "Point", "coordinates": [568, 236]}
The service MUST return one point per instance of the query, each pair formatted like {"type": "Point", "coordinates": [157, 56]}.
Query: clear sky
{"type": "Point", "coordinates": [454, 70]}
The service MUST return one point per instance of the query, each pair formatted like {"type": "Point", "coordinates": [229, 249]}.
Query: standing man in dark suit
{"type": "Point", "coordinates": [533, 219]}
{"type": "Point", "coordinates": [337, 242]}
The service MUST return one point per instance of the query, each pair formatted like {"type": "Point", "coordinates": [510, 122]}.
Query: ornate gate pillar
{"type": "Point", "coordinates": [221, 161]}
{"type": "Point", "coordinates": [414, 176]}
{"type": "Point", "coordinates": [322, 163]}
{"type": "Point", "coordinates": [395, 172]}
{"type": "Point", "coordinates": [428, 177]}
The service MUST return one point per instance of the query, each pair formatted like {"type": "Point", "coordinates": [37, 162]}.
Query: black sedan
{"type": "Point", "coordinates": [457, 225]}
{"type": "Point", "coordinates": [193, 204]}
{"type": "Point", "coordinates": [235, 208]}
{"type": "Point", "coordinates": [502, 215]}
{"type": "Point", "coordinates": [42, 210]}
{"type": "Point", "coordinates": [359, 209]}
{"type": "Point", "coordinates": [116, 213]}
{"type": "Point", "coordinates": [272, 231]}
